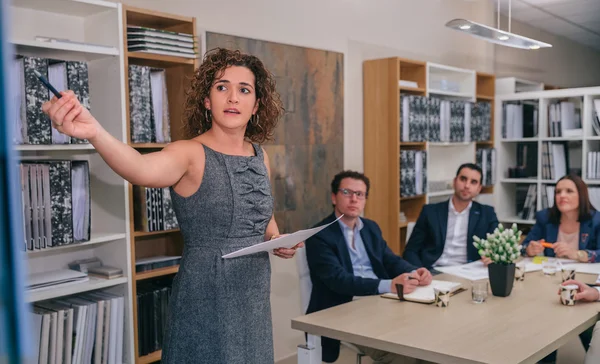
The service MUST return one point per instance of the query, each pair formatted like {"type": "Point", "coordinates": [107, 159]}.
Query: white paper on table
{"type": "Point", "coordinates": [473, 271]}
{"type": "Point", "coordinates": [590, 268]}
{"type": "Point", "coordinates": [287, 241]}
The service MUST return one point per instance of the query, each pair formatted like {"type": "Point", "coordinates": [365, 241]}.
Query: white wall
{"type": "Point", "coordinates": [361, 29]}
{"type": "Point", "coordinates": [566, 64]}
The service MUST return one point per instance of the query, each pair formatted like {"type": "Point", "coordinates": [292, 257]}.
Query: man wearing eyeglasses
{"type": "Point", "coordinates": [443, 234]}
{"type": "Point", "coordinates": [350, 258]}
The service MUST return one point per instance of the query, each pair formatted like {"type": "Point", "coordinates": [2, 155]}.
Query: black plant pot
{"type": "Point", "coordinates": [502, 277]}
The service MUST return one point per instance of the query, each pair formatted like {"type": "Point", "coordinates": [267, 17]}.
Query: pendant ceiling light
{"type": "Point", "coordinates": [495, 35]}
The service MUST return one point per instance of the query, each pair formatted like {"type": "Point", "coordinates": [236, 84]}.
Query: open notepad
{"type": "Point", "coordinates": [426, 294]}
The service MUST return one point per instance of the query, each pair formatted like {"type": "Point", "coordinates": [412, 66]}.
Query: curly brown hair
{"type": "Point", "coordinates": [215, 62]}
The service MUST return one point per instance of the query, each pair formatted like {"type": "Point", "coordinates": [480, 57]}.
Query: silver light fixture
{"type": "Point", "coordinates": [496, 35]}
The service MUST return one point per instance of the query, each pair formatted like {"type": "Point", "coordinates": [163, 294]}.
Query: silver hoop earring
{"type": "Point", "coordinates": [255, 120]}
{"type": "Point", "coordinates": [206, 115]}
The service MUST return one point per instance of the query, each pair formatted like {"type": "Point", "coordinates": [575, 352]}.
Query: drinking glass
{"type": "Point", "coordinates": [549, 267]}
{"type": "Point", "coordinates": [479, 291]}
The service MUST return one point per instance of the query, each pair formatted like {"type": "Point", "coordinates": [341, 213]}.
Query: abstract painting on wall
{"type": "Point", "coordinates": [307, 150]}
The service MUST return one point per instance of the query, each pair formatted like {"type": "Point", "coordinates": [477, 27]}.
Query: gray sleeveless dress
{"type": "Point", "coordinates": [220, 310]}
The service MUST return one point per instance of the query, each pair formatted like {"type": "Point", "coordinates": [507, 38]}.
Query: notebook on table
{"type": "Point", "coordinates": [426, 294]}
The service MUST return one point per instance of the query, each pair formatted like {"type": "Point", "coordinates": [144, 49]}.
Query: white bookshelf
{"type": "Point", "coordinates": [511, 85]}
{"type": "Point", "coordinates": [95, 31]}
{"type": "Point", "coordinates": [451, 82]}
{"type": "Point", "coordinates": [504, 192]}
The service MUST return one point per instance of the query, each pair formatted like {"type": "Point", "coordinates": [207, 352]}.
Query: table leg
{"type": "Point", "coordinates": [311, 352]}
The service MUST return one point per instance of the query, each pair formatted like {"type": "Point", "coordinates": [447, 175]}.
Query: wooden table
{"type": "Point", "coordinates": [521, 328]}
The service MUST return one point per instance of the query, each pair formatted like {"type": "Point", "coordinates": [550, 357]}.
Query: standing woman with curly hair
{"type": "Point", "coordinates": [220, 309]}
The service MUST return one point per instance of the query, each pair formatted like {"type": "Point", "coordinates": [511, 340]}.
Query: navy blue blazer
{"type": "Point", "coordinates": [426, 243]}
{"type": "Point", "coordinates": [589, 234]}
{"type": "Point", "coordinates": [332, 274]}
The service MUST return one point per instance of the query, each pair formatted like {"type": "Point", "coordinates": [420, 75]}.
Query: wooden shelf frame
{"type": "Point", "coordinates": [179, 71]}
{"type": "Point", "coordinates": [382, 145]}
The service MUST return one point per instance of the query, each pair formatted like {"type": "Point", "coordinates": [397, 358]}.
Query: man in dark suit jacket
{"type": "Point", "coordinates": [350, 258]}
{"type": "Point", "coordinates": [443, 233]}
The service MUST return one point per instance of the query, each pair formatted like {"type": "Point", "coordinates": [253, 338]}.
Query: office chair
{"type": "Point", "coordinates": [306, 289]}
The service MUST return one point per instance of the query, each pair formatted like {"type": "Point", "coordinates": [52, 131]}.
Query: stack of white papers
{"type": "Point", "coordinates": [287, 241]}
{"type": "Point", "coordinates": [473, 271]}
{"type": "Point", "coordinates": [47, 280]}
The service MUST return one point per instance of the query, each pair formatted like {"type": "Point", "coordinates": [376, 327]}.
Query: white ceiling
{"type": "Point", "coordinates": [578, 20]}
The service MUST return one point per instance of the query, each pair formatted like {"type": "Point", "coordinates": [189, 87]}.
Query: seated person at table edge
{"type": "Point", "coordinates": [443, 233]}
{"type": "Point", "coordinates": [571, 225]}
{"type": "Point", "coordinates": [350, 258]}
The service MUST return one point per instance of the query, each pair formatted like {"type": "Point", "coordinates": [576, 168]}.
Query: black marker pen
{"type": "Point", "coordinates": [47, 84]}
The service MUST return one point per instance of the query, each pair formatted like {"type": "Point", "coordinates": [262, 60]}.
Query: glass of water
{"type": "Point", "coordinates": [479, 291]}
{"type": "Point", "coordinates": [549, 267]}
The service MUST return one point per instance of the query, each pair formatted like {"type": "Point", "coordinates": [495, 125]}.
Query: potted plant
{"type": "Point", "coordinates": [502, 247]}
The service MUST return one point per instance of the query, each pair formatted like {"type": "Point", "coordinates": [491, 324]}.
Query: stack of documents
{"type": "Point", "coordinates": [148, 40]}
{"type": "Point", "coordinates": [473, 271]}
{"type": "Point", "coordinates": [46, 280]}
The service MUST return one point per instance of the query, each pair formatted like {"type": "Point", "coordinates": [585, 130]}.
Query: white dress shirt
{"type": "Point", "coordinates": [455, 246]}
{"type": "Point", "coordinates": [361, 264]}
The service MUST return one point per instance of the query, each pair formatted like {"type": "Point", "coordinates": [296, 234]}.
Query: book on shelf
{"type": "Point", "coordinates": [56, 202]}
{"type": "Point", "coordinates": [152, 302]}
{"type": "Point", "coordinates": [527, 160]}
{"type": "Point", "coordinates": [547, 196]}
{"type": "Point", "coordinates": [437, 120]}
{"type": "Point", "coordinates": [564, 120]}
{"type": "Point", "coordinates": [596, 117]}
{"type": "Point", "coordinates": [486, 159]}
{"type": "Point", "coordinates": [31, 125]}
{"type": "Point", "coordinates": [153, 209]}
{"type": "Point", "coordinates": [526, 201]}
{"type": "Point", "coordinates": [84, 328]}
{"type": "Point", "coordinates": [413, 173]}
{"type": "Point", "coordinates": [593, 165]}
{"type": "Point", "coordinates": [555, 160]}
{"type": "Point", "coordinates": [152, 263]}
{"type": "Point", "coordinates": [520, 119]}
{"type": "Point", "coordinates": [149, 40]}
{"type": "Point", "coordinates": [148, 105]}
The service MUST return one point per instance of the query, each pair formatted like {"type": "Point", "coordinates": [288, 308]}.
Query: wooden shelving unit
{"type": "Point", "coordinates": [382, 143]}
{"type": "Point", "coordinates": [156, 273]}
{"type": "Point", "coordinates": [179, 71]}
{"type": "Point", "coordinates": [150, 358]}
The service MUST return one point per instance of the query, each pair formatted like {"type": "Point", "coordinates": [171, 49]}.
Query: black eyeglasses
{"type": "Point", "coordinates": [348, 193]}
